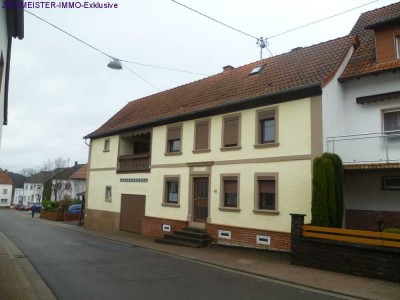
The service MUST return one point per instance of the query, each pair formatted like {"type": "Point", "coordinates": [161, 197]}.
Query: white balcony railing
{"type": "Point", "coordinates": [380, 147]}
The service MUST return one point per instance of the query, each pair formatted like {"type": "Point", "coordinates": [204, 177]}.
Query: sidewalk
{"type": "Point", "coordinates": [275, 266]}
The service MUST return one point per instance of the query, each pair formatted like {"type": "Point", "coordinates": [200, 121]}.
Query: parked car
{"type": "Point", "coordinates": [75, 209]}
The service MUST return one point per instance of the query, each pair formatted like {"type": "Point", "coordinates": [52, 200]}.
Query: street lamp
{"type": "Point", "coordinates": [115, 64]}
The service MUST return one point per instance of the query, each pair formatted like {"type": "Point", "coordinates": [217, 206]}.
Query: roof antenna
{"type": "Point", "coordinates": [262, 43]}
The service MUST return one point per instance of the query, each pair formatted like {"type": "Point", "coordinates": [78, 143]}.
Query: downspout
{"type": "Point", "coordinates": [6, 81]}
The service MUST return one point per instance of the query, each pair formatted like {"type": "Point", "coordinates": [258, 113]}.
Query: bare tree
{"type": "Point", "coordinates": [27, 172]}
{"type": "Point", "coordinates": [58, 164]}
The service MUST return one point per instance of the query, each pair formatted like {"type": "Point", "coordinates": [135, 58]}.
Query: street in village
{"type": "Point", "coordinates": [76, 265]}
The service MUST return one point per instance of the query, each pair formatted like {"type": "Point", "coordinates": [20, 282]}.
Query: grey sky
{"type": "Point", "coordinates": [61, 90]}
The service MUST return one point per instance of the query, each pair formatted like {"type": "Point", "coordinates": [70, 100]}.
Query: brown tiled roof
{"type": "Point", "coordinates": [5, 178]}
{"type": "Point", "coordinates": [67, 172]}
{"type": "Point", "coordinates": [81, 173]}
{"type": "Point", "coordinates": [297, 69]}
{"type": "Point", "coordinates": [363, 60]}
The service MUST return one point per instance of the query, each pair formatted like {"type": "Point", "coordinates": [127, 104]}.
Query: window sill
{"type": "Point", "coordinates": [230, 209]}
{"type": "Point", "coordinates": [170, 205]}
{"type": "Point", "coordinates": [201, 151]}
{"type": "Point", "coordinates": [106, 150]}
{"type": "Point", "coordinates": [265, 212]}
{"type": "Point", "coordinates": [235, 148]}
{"type": "Point", "coordinates": [108, 200]}
{"type": "Point", "coordinates": [172, 153]}
{"type": "Point", "coordinates": [267, 145]}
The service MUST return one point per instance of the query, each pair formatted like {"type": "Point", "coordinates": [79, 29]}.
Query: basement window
{"type": "Point", "coordinates": [256, 70]}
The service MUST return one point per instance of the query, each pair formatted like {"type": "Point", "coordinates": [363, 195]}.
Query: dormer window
{"type": "Point", "coordinates": [387, 40]}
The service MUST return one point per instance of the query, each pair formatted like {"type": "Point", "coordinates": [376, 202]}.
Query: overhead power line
{"type": "Point", "coordinates": [113, 57]}
{"type": "Point", "coordinates": [261, 42]}
{"type": "Point", "coordinates": [323, 19]}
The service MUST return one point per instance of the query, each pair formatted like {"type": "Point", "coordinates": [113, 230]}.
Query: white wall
{"type": "Point", "coordinates": [31, 195]}
{"type": "Point", "coordinates": [18, 195]}
{"type": "Point", "coordinates": [363, 190]}
{"type": "Point", "coordinates": [349, 118]}
{"type": "Point", "coordinates": [5, 194]}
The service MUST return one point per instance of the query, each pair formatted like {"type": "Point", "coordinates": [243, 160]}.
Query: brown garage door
{"type": "Point", "coordinates": [132, 211]}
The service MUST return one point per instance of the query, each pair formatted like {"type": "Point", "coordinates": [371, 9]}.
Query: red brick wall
{"type": "Point", "coordinates": [247, 237]}
{"type": "Point", "coordinates": [153, 226]}
{"type": "Point", "coordinates": [372, 220]}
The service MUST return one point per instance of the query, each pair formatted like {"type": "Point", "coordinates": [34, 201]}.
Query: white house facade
{"type": "Point", "coordinates": [18, 196]}
{"type": "Point", "coordinates": [362, 125]}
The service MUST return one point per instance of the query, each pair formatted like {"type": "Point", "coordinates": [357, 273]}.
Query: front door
{"type": "Point", "coordinates": [200, 197]}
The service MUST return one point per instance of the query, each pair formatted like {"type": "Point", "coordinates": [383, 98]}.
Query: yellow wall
{"type": "Point", "coordinates": [294, 177]}
{"type": "Point", "coordinates": [101, 159]}
{"type": "Point", "coordinates": [294, 137]}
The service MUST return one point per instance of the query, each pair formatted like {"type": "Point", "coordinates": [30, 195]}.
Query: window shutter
{"type": "Point", "coordinates": [266, 186]}
{"type": "Point", "coordinates": [202, 131]}
{"type": "Point", "coordinates": [230, 186]}
{"type": "Point", "coordinates": [266, 115]}
{"type": "Point", "coordinates": [174, 133]}
{"type": "Point", "coordinates": [231, 132]}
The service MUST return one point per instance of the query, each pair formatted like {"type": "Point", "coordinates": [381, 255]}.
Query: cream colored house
{"type": "Point", "coordinates": [231, 153]}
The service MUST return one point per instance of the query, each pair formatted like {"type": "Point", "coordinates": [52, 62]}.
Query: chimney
{"type": "Point", "coordinates": [76, 163]}
{"type": "Point", "coordinates": [227, 68]}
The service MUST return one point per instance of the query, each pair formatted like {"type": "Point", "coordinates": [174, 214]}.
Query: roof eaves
{"type": "Point", "coordinates": [283, 96]}
{"type": "Point", "coordinates": [365, 74]}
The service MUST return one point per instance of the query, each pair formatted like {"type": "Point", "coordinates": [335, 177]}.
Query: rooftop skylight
{"type": "Point", "coordinates": [256, 70]}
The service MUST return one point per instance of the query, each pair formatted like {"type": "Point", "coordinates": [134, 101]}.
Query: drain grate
{"type": "Point", "coordinates": [19, 256]}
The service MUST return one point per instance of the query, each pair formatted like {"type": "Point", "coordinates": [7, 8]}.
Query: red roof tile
{"type": "Point", "coordinates": [363, 60]}
{"type": "Point", "coordinates": [81, 173]}
{"type": "Point", "coordinates": [297, 69]}
{"type": "Point", "coordinates": [5, 178]}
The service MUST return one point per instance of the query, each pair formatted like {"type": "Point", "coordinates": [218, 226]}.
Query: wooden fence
{"type": "Point", "coordinates": [352, 236]}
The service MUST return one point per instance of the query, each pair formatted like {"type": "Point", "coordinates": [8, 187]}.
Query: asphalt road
{"type": "Point", "coordinates": [79, 266]}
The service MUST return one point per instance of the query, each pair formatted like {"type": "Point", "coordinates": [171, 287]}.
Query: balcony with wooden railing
{"type": "Point", "coordinates": [134, 163]}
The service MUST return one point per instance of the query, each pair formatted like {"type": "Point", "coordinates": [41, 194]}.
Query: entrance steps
{"type": "Point", "coordinates": [188, 236]}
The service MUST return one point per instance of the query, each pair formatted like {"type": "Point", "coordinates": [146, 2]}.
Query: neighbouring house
{"type": "Point", "coordinates": [18, 196]}
{"type": "Point", "coordinates": [11, 25]}
{"type": "Point", "coordinates": [64, 186]}
{"type": "Point", "coordinates": [6, 186]}
{"type": "Point", "coordinates": [363, 124]}
{"type": "Point", "coordinates": [78, 183]}
{"type": "Point", "coordinates": [35, 185]}
{"type": "Point", "coordinates": [231, 153]}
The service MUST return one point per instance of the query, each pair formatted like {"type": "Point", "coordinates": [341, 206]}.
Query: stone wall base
{"type": "Point", "coordinates": [371, 220]}
{"type": "Point", "coordinates": [101, 220]}
{"type": "Point", "coordinates": [152, 226]}
{"type": "Point", "coordinates": [247, 237]}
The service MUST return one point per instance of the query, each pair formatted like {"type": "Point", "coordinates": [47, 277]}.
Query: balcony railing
{"type": "Point", "coordinates": [134, 163]}
{"type": "Point", "coordinates": [380, 147]}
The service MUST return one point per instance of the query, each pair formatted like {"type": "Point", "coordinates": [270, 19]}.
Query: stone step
{"type": "Point", "coordinates": [177, 243]}
{"type": "Point", "coordinates": [194, 234]}
{"type": "Point", "coordinates": [193, 240]}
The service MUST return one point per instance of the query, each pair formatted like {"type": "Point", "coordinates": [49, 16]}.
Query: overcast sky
{"type": "Point", "coordinates": [61, 90]}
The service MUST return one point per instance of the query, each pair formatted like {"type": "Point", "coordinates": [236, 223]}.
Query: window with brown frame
{"type": "Point", "coordinates": [230, 191]}
{"type": "Point", "coordinates": [397, 45]}
{"type": "Point", "coordinates": [266, 127]}
{"type": "Point", "coordinates": [202, 131]}
{"type": "Point", "coordinates": [231, 131]}
{"type": "Point", "coordinates": [171, 194]}
{"type": "Point", "coordinates": [391, 122]}
{"type": "Point", "coordinates": [266, 193]}
{"type": "Point", "coordinates": [174, 139]}
{"type": "Point", "coordinates": [108, 194]}
{"type": "Point", "coordinates": [106, 145]}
